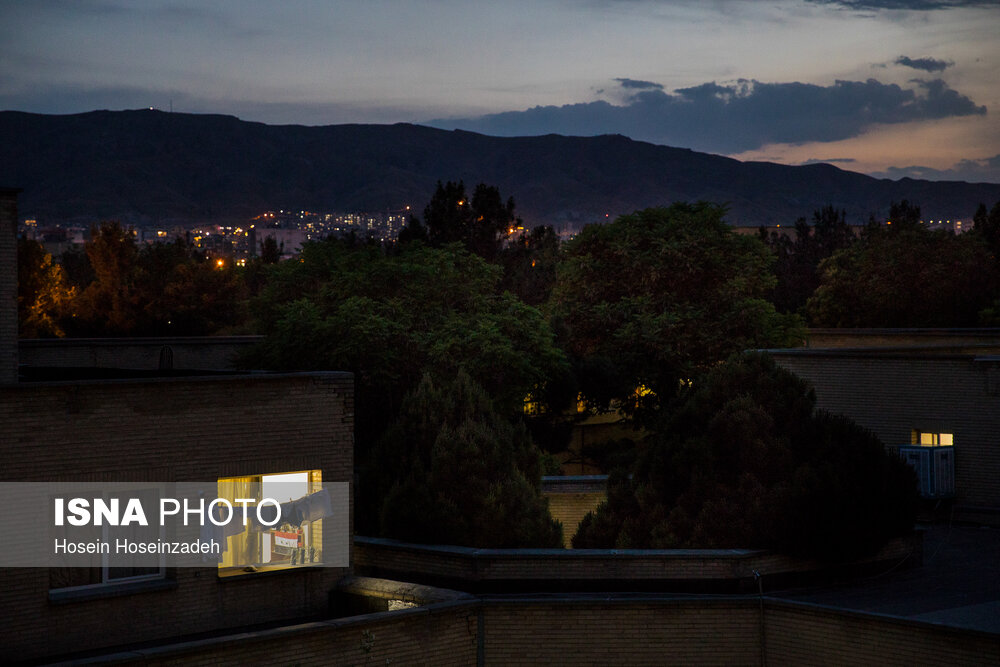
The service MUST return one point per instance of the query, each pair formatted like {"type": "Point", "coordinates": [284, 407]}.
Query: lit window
{"type": "Point", "coordinates": [928, 439]}
{"type": "Point", "coordinates": [531, 406]}
{"type": "Point", "coordinates": [295, 540]}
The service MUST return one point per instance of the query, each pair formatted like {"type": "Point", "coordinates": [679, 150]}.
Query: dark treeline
{"type": "Point", "coordinates": [889, 275]}
{"type": "Point", "coordinates": [477, 347]}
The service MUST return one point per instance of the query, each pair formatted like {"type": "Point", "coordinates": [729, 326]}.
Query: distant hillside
{"type": "Point", "coordinates": [152, 166]}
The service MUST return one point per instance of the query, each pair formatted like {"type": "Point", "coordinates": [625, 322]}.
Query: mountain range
{"type": "Point", "coordinates": [151, 167]}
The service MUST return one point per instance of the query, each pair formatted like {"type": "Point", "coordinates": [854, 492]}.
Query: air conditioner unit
{"type": "Point", "coordinates": [935, 468]}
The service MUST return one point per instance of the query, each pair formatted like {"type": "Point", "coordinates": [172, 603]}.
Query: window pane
{"type": "Point", "coordinates": [296, 538]}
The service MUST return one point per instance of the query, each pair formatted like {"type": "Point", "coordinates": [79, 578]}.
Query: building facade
{"type": "Point", "coordinates": [941, 398]}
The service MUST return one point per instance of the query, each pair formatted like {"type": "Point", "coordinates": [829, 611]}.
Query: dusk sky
{"type": "Point", "coordinates": [886, 87]}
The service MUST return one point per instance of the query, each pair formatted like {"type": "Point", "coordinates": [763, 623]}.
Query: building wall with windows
{"type": "Point", "coordinates": [166, 430]}
{"type": "Point", "coordinates": [918, 397]}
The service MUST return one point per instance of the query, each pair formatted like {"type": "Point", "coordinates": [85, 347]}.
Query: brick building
{"type": "Point", "coordinates": [225, 428]}
{"type": "Point", "coordinates": [933, 395]}
{"type": "Point", "coordinates": [8, 285]}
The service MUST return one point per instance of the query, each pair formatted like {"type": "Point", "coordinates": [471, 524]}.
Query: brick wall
{"type": "Point", "coordinates": [8, 285]}
{"type": "Point", "coordinates": [193, 429]}
{"type": "Point", "coordinates": [570, 508]}
{"type": "Point", "coordinates": [799, 634]}
{"type": "Point", "coordinates": [634, 630]}
{"type": "Point", "coordinates": [571, 498]}
{"type": "Point", "coordinates": [443, 634]}
{"type": "Point", "coordinates": [621, 569]}
{"type": "Point", "coordinates": [894, 393]}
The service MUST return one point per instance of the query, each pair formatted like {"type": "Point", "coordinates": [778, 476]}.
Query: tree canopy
{"type": "Point", "coordinates": [656, 296]}
{"type": "Point", "coordinates": [150, 290]}
{"type": "Point", "coordinates": [529, 264]}
{"type": "Point", "coordinates": [798, 256]}
{"type": "Point", "coordinates": [745, 460]}
{"type": "Point", "coordinates": [454, 471]}
{"type": "Point", "coordinates": [479, 222]}
{"type": "Point", "coordinates": [390, 318]}
{"type": "Point", "coordinates": [43, 292]}
{"type": "Point", "coordinates": [906, 276]}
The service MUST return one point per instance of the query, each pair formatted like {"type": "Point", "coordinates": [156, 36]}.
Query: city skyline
{"type": "Point", "coordinates": [887, 87]}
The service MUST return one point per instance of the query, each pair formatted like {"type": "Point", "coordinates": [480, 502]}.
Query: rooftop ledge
{"type": "Point", "coordinates": [92, 376]}
{"type": "Point", "coordinates": [474, 552]}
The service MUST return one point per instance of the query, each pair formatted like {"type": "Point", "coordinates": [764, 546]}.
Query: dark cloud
{"type": "Point", "coordinates": [736, 117]}
{"type": "Point", "coordinates": [905, 5]}
{"type": "Point", "coordinates": [986, 170]}
{"type": "Point", "coordinates": [639, 84]}
{"type": "Point", "coordinates": [926, 64]}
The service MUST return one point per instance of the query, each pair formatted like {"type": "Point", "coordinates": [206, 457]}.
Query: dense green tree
{"type": "Point", "coordinates": [391, 318]}
{"type": "Point", "coordinates": [153, 290]}
{"type": "Point", "coordinates": [529, 264]}
{"type": "Point", "coordinates": [908, 277]}
{"type": "Point", "coordinates": [480, 222]}
{"type": "Point", "coordinates": [745, 460]}
{"type": "Point", "coordinates": [904, 215]}
{"type": "Point", "coordinates": [799, 256]}
{"type": "Point", "coordinates": [107, 307]}
{"type": "Point", "coordinates": [456, 472]}
{"type": "Point", "coordinates": [654, 297]}
{"type": "Point", "coordinates": [270, 253]}
{"type": "Point", "coordinates": [43, 293]}
{"type": "Point", "coordinates": [987, 226]}
{"type": "Point", "coordinates": [76, 267]}
{"type": "Point", "coordinates": [197, 299]}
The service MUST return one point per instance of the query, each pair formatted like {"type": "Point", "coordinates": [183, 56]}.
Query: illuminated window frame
{"type": "Point", "coordinates": [931, 439]}
{"type": "Point", "coordinates": [266, 550]}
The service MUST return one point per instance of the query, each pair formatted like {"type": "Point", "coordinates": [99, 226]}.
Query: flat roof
{"type": "Point", "coordinates": [958, 584]}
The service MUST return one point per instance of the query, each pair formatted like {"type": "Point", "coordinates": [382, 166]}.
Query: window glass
{"type": "Point", "coordinates": [294, 541]}
{"type": "Point", "coordinates": [926, 439]}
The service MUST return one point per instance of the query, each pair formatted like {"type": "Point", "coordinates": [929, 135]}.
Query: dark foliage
{"type": "Point", "coordinates": [903, 275]}
{"type": "Point", "coordinates": [529, 264]}
{"type": "Point", "coordinates": [798, 256]}
{"type": "Point", "coordinates": [43, 293]}
{"type": "Point", "coordinates": [161, 289]}
{"type": "Point", "coordinates": [453, 471]}
{"type": "Point", "coordinates": [479, 222]}
{"type": "Point", "coordinates": [391, 318]}
{"type": "Point", "coordinates": [746, 461]}
{"type": "Point", "coordinates": [653, 298]}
